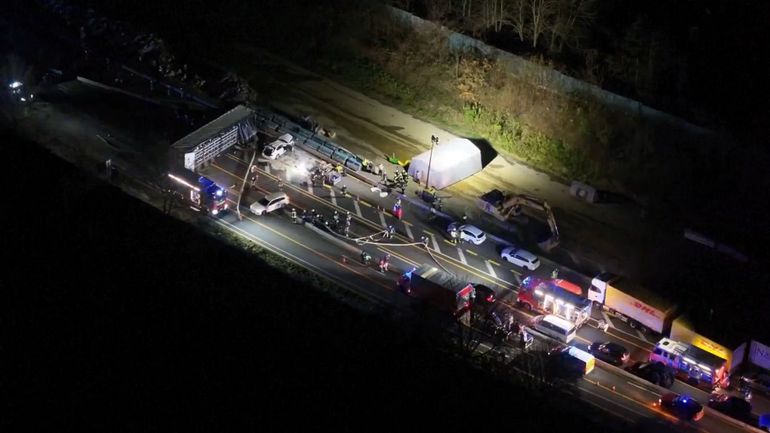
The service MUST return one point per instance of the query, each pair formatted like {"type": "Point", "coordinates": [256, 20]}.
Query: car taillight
{"type": "Point", "coordinates": [490, 298]}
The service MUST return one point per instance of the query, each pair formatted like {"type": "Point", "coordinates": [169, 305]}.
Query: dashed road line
{"type": "Point", "coordinates": [358, 208]}
{"type": "Point", "coordinates": [408, 230]}
{"type": "Point", "coordinates": [607, 319]}
{"type": "Point", "coordinates": [473, 253]}
{"type": "Point", "coordinates": [490, 269]}
{"type": "Point", "coordinates": [493, 262]}
{"type": "Point", "coordinates": [435, 244]}
{"type": "Point", "coordinates": [332, 197]}
{"type": "Point", "coordinates": [382, 220]}
{"type": "Point", "coordinates": [448, 242]}
{"type": "Point", "coordinates": [462, 256]}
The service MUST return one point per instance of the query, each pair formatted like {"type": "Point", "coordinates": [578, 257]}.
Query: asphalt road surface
{"type": "Point", "coordinates": [606, 386]}
{"type": "Point", "coordinates": [338, 259]}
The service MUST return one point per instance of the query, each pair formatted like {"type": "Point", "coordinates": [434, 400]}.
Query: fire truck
{"type": "Point", "coordinates": [693, 365]}
{"type": "Point", "coordinates": [437, 287]}
{"type": "Point", "coordinates": [549, 297]}
{"type": "Point", "coordinates": [202, 193]}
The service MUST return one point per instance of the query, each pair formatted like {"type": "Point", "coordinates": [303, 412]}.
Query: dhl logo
{"type": "Point", "coordinates": [650, 311]}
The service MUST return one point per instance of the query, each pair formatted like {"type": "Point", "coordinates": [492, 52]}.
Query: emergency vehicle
{"type": "Point", "coordinates": [692, 365]}
{"type": "Point", "coordinates": [545, 296]}
{"type": "Point", "coordinates": [201, 192]}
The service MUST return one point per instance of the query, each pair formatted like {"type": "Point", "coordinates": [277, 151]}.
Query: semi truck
{"type": "Point", "coordinates": [202, 193]}
{"type": "Point", "coordinates": [439, 288]}
{"type": "Point", "coordinates": [632, 303]}
{"type": "Point", "coordinates": [550, 297]}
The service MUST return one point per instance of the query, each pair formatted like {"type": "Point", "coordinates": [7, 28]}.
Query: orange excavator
{"type": "Point", "coordinates": [504, 206]}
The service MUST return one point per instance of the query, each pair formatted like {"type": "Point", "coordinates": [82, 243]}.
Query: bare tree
{"type": "Point", "coordinates": [542, 13]}
{"type": "Point", "coordinates": [514, 13]}
{"type": "Point", "coordinates": [570, 18]}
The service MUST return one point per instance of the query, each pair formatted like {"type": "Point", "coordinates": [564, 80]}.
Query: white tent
{"type": "Point", "coordinates": [451, 163]}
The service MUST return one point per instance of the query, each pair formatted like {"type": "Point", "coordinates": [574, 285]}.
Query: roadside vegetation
{"type": "Point", "coordinates": [679, 177]}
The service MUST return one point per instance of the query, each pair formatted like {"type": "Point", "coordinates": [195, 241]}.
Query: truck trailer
{"type": "Point", "coordinates": [635, 305]}
{"type": "Point", "coordinates": [439, 288]}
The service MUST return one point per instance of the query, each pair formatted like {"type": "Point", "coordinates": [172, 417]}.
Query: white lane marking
{"type": "Point", "coordinates": [490, 269]}
{"type": "Point", "coordinates": [607, 319]}
{"type": "Point", "coordinates": [640, 334]}
{"type": "Point", "coordinates": [462, 255]}
{"type": "Point", "coordinates": [332, 197]}
{"type": "Point", "coordinates": [267, 168]}
{"type": "Point", "coordinates": [643, 388]}
{"type": "Point", "coordinates": [435, 244]}
{"type": "Point", "coordinates": [408, 231]}
{"type": "Point", "coordinates": [358, 208]}
{"type": "Point", "coordinates": [382, 220]}
{"type": "Point", "coordinates": [310, 187]}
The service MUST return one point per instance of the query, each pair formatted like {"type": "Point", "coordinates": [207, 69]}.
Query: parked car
{"type": "Point", "coordinates": [735, 407]}
{"type": "Point", "coordinates": [654, 372]}
{"type": "Point", "coordinates": [520, 257]}
{"type": "Point", "coordinates": [269, 203]}
{"type": "Point", "coordinates": [278, 147]}
{"type": "Point", "coordinates": [758, 382]}
{"type": "Point", "coordinates": [681, 406]}
{"type": "Point", "coordinates": [472, 234]}
{"type": "Point", "coordinates": [612, 353]}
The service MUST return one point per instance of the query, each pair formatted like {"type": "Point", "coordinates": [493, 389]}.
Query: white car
{"type": "Point", "coordinates": [520, 257]}
{"type": "Point", "coordinates": [269, 203]}
{"type": "Point", "coordinates": [277, 148]}
{"type": "Point", "coordinates": [472, 234]}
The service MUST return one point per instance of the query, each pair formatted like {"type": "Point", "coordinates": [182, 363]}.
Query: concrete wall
{"type": "Point", "coordinates": [542, 76]}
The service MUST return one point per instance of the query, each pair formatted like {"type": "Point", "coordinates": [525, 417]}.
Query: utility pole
{"type": "Point", "coordinates": [243, 184]}
{"type": "Point", "coordinates": [433, 142]}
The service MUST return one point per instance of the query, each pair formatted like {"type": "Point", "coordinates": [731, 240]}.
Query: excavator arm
{"type": "Point", "coordinates": [511, 204]}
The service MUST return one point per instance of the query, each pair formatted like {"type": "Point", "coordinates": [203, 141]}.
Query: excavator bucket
{"type": "Point", "coordinates": [549, 244]}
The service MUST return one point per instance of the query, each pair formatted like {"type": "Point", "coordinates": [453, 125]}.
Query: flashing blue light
{"type": "Point", "coordinates": [219, 193]}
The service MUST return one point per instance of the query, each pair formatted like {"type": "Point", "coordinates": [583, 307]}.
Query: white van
{"type": "Point", "coordinates": [555, 327]}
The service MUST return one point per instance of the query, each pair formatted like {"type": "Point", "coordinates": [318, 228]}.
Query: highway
{"type": "Point", "coordinates": [630, 398]}
{"type": "Point", "coordinates": [607, 386]}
